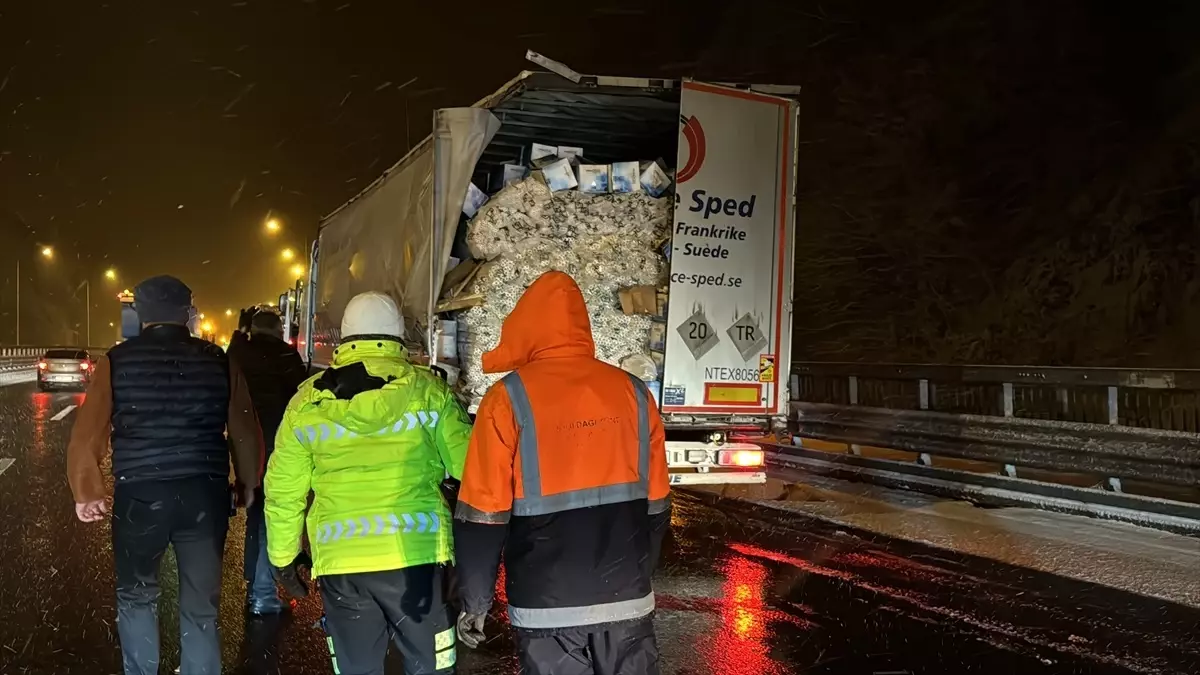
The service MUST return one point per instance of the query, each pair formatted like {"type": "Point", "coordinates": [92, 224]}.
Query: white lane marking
{"type": "Point", "coordinates": [63, 413]}
{"type": "Point", "coordinates": [5, 462]}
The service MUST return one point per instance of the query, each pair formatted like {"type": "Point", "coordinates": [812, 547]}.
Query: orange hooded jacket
{"type": "Point", "coordinates": [585, 411]}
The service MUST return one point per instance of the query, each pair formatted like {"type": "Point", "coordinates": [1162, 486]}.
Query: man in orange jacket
{"type": "Point", "coordinates": [567, 475]}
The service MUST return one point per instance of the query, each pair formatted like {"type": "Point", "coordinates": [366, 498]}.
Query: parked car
{"type": "Point", "coordinates": [64, 369]}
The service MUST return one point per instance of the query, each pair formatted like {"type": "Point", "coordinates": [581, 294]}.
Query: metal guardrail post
{"type": "Point", "coordinates": [855, 448]}
{"type": "Point", "coordinates": [1113, 482]}
{"type": "Point", "coordinates": [924, 458]}
{"type": "Point", "coordinates": [1010, 470]}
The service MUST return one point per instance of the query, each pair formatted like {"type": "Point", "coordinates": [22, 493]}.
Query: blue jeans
{"type": "Point", "coordinates": [262, 595]}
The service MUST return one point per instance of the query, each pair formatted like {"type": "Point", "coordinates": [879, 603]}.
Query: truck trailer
{"type": "Point", "coordinates": [723, 377]}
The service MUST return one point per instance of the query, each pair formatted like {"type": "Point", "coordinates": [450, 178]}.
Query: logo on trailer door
{"type": "Point", "coordinates": [693, 133]}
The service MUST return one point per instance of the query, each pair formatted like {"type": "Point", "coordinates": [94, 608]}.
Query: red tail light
{"type": "Point", "coordinates": [42, 365]}
{"type": "Point", "coordinates": [84, 365]}
{"type": "Point", "coordinates": [740, 458]}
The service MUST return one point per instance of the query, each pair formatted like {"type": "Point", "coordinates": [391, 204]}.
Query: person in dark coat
{"type": "Point", "coordinates": [174, 411]}
{"type": "Point", "coordinates": [273, 370]}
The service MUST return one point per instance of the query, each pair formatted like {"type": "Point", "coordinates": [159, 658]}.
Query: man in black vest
{"type": "Point", "coordinates": [166, 400]}
{"type": "Point", "coordinates": [273, 370]}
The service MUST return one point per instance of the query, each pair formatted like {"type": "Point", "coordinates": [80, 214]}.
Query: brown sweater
{"type": "Point", "coordinates": [93, 425]}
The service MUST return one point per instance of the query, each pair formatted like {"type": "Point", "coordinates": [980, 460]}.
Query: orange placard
{"type": "Point", "coordinates": [732, 393]}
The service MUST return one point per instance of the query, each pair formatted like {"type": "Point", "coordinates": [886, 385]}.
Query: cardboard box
{"type": "Point", "coordinates": [560, 176]}
{"type": "Point", "coordinates": [475, 198]}
{"type": "Point", "coordinates": [654, 180]}
{"type": "Point", "coordinates": [569, 151]}
{"type": "Point", "coordinates": [593, 178]}
{"type": "Point", "coordinates": [513, 173]}
{"type": "Point", "coordinates": [459, 302]}
{"type": "Point", "coordinates": [626, 177]}
{"type": "Point", "coordinates": [639, 300]}
{"type": "Point", "coordinates": [658, 338]}
{"type": "Point", "coordinates": [540, 155]}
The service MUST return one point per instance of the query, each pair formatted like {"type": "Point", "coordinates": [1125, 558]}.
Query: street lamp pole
{"type": "Point", "coordinates": [88, 300]}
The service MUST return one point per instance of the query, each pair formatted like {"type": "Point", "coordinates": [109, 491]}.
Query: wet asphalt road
{"type": "Point", "coordinates": [741, 591]}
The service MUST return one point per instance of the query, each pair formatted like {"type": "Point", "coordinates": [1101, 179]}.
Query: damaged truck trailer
{"type": "Point", "coordinates": [687, 270]}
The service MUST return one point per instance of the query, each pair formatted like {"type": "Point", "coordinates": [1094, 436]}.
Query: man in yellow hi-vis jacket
{"type": "Point", "coordinates": [373, 437]}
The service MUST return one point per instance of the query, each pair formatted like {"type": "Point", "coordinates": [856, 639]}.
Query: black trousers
{"type": "Point", "coordinates": [363, 610]}
{"type": "Point", "coordinates": [193, 515]}
{"type": "Point", "coordinates": [621, 649]}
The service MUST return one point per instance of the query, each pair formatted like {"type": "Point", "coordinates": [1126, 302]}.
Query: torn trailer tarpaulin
{"type": "Point", "coordinates": [380, 240]}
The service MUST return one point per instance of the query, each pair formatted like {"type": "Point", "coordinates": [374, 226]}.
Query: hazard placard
{"type": "Point", "coordinates": [747, 336]}
{"type": "Point", "coordinates": [766, 368]}
{"type": "Point", "coordinates": [698, 334]}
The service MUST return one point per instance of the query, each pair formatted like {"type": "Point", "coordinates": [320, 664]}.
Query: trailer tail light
{"type": "Point", "coordinates": [42, 365]}
{"type": "Point", "coordinates": [84, 366]}
{"type": "Point", "coordinates": [740, 458]}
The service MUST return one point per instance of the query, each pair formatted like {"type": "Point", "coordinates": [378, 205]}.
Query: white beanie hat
{"type": "Point", "coordinates": [372, 313]}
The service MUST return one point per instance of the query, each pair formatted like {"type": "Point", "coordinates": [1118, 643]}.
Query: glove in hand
{"type": "Point", "coordinates": [470, 629]}
{"type": "Point", "coordinates": [290, 578]}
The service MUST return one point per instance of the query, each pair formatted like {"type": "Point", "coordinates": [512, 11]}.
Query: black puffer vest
{"type": "Point", "coordinates": [170, 406]}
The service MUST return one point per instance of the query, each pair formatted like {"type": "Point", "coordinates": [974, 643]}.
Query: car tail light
{"type": "Point", "coordinates": [42, 365]}
{"type": "Point", "coordinates": [740, 458]}
{"type": "Point", "coordinates": [84, 365]}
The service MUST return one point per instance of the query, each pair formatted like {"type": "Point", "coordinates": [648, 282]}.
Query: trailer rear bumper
{"type": "Point", "coordinates": [719, 478]}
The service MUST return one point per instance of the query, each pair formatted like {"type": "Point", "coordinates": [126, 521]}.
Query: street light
{"type": "Point", "coordinates": [229, 312]}
{"type": "Point", "coordinates": [297, 271]}
{"type": "Point", "coordinates": [273, 226]}
{"type": "Point", "coordinates": [110, 274]}
{"type": "Point", "coordinates": [47, 252]}
{"type": "Point", "coordinates": [287, 254]}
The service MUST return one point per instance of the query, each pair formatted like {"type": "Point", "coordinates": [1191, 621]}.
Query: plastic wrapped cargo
{"type": "Point", "coordinates": [606, 242]}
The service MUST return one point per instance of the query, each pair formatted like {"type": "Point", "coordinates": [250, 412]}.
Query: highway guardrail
{"type": "Point", "coordinates": [1120, 452]}
{"type": "Point", "coordinates": [1116, 423]}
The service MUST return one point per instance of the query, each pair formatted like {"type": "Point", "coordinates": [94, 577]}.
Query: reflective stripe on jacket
{"type": "Point", "coordinates": [374, 463]}
{"type": "Point", "coordinates": [530, 499]}
{"type": "Point", "coordinates": [568, 453]}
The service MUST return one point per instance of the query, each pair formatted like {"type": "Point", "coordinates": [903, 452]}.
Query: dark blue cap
{"type": "Point", "coordinates": [162, 299]}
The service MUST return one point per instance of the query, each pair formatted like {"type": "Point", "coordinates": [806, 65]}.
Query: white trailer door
{"type": "Point", "coordinates": [729, 320]}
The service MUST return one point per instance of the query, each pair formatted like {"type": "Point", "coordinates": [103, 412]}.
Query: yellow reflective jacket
{"type": "Point", "coordinates": [374, 464]}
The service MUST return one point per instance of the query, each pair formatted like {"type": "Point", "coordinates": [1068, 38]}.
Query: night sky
{"type": "Point", "coordinates": [156, 136]}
